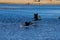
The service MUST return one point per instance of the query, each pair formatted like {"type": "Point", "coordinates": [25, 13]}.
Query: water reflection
{"type": "Point", "coordinates": [35, 24]}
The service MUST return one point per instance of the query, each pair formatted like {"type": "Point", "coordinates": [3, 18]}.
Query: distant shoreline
{"type": "Point", "coordinates": [32, 3]}
{"type": "Point", "coordinates": [27, 4]}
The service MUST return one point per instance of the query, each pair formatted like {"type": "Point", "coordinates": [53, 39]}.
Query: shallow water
{"type": "Point", "coordinates": [12, 18]}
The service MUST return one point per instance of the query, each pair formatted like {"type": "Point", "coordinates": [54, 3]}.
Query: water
{"type": "Point", "coordinates": [13, 16]}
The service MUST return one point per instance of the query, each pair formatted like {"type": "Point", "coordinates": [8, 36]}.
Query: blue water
{"type": "Point", "coordinates": [13, 16]}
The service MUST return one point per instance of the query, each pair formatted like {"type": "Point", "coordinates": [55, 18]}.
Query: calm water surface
{"type": "Point", "coordinates": [13, 16]}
